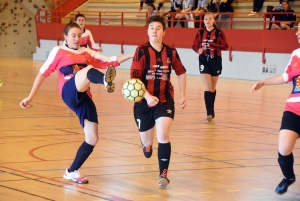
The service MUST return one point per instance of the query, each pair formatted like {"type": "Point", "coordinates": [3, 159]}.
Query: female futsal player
{"type": "Point", "coordinates": [152, 64]}
{"type": "Point", "coordinates": [208, 44]}
{"type": "Point", "coordinates": [76, 67]}
{"type": "Point", "coordinates": [87, 39]}
{"type": "Point", "coordinates": [290, 123]}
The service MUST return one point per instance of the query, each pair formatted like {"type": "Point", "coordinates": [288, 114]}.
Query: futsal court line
{"type": "Point", "coordinates": [62, 184]}
{"type": "Point", "coordinates": [34, 195]}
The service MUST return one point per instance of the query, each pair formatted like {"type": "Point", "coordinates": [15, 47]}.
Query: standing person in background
{"type": "Point", "coordinates": [77, 69]}
{"type": "Point", "coordinates": [87, 39]}
{"type": "Point", "coordinates": [257, 5]}
{"type": "Point", "coordinates": [208, 44]}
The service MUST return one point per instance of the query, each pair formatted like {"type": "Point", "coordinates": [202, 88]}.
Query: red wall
{"type": "Point", "coordinates": [238, 39]}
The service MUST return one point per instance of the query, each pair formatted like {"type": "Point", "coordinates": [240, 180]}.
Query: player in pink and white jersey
{"type": "Point", "coordinates": [77, 69]}
{"type": "Point", "coordinates": [87, 39]}
{"type": "Point", "coordinates": [290, 124]}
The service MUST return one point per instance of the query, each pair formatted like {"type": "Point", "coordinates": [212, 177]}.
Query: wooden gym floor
{"type": "Point", "coordinates": [233, 158]}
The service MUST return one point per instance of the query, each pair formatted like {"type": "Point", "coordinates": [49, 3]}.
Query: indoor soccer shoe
{"type": "Point", "coordinates": [75, 176]}
{"type": "Point", "coordinates": [109, 76]}
{"type": "Point", "coordinates": [163, 179]}
{"type": "Point", "coordinates": [209, 118]}
{"type": "Point", "coordinates": [283, 185]}
{"type": "Point", "coordinates": [147, 151]}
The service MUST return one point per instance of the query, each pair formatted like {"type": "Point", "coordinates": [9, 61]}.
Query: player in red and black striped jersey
{"type": "Point", "coordinates": [208, 44]}
{"type": "Point", "coordinates": [152, 64]}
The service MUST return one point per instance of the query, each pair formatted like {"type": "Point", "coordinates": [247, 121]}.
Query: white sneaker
{"type": "Point", "coordinates": [109, 76]}
{"type": "Point", "coordinates": [75, 176]}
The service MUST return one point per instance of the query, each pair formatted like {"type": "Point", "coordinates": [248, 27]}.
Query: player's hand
{"type": "Point", "coordinates": [152, 101]}
{"type": "Point", "coordinates": [200, 51]}
{"type": "Point", "coordinates": [25, 102]}
{"type": "Point", "coordinates": [100, 49]}
{"type": "Point", "coordinates": [257, 86]}
{"type": "Point", "coordinates": [182, 102]}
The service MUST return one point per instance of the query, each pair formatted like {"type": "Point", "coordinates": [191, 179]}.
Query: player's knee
{"type": "Point", "coordinates": [284, 149]}
{"type": "Point", "coordinates": [163, 138]}
{"type": "Point", "coordinates": [92, 140]}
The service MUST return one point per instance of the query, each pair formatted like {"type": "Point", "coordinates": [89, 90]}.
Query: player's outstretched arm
{"type": "Point", "coordinates": [182, 88]}
{"type": "Point", "coordinates": [123, 58]}
{"type": "Point", "coordinates": [271, 81]}
{"type": "Point", "coordinates": [36, 85]}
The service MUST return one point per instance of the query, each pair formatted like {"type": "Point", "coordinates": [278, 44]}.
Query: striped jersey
{"type": "Point", "coordinates": [67, 62]}
{"type": "Point", "coordinates": [212, 42]}
{"type": "Point", "coordinates": [154, 69]}
{"type": "Point", "coordinates": [292, 74]}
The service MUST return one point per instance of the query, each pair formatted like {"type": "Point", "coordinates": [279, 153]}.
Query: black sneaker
{"type": "Point", "coordinates": [147, 151]}
{"type": "Point", "coordinates": [108, 78]}
{"type": "Point", "coordinates": [283, 185]}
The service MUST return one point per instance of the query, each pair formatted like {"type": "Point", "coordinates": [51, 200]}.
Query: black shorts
{"type": "Point", "coordinates": [79, 102]}
{"type": "Point", "coordinates": [290, 121]}
{"type": "Point", "coordinates": [145, 116]}
{"type": "Point", "coordinates": [210, 65]}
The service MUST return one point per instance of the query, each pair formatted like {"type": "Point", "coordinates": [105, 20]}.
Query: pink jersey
{"type": "Point", "coordinates": [87, 40]}
{"type": "Point", "coordinates": [292, 73]}
{"type": "Point", "coordinates": [63, 60]}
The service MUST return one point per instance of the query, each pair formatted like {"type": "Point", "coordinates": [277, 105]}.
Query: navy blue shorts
{"type": "Point", "coordinates": [79, 102]}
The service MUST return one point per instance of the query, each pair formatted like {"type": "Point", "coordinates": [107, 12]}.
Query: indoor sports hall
{"type": "Point", "coordinates": [232, 158]}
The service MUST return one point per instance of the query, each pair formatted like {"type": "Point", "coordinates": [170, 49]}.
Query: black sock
{"type": "Point", "coordinates": [208, 101]}
{"type": "Point", "coordinates": [82, 154]}
{"type": "Point", "coordinates": [159, 6]}
{"type": "Point", "coordinates": [286, 164]}
{"type": "Point", "coordinates": [164, 155]}
{"type": "Point", "coordinates": [214, 98]}
{"type": "Point", "coordinates": [95, 76]}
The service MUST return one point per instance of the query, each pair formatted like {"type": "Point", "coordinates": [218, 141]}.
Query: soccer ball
{"type": "Point", "coordinates": [133, 90]}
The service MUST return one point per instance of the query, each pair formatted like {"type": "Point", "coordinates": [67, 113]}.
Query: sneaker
{"type": "Point", "coordinates": [209, 118]}
{"type": "Point", "coordinates": [147, 151]}
{"type": "Point", "coordinates": [75, 176]}
{"type": "Point", "coordinates": [283, 185]}
{"type": "Point", "coordinates": [109, 76]}
{"type": "Point", "coordinates": [163, 179]}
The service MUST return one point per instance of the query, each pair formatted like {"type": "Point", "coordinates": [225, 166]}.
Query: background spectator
{"type": "Point", "coordinates": [286, 21]}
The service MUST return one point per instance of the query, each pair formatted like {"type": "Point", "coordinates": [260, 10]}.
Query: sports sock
{"type": "Point", "coordinates": [95, 76]}
{"type": "Point", "coordinates": [286, 164]}
{"type": "Point", "coordinates": [208, 101]}
{"type": "Point", "coordinates": [164, 155]}
{"type": "Point", "coordinates": [82, 154]}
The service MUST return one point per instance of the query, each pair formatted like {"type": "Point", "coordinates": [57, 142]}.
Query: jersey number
{"type": "Point", "coordinates": [139, 123]}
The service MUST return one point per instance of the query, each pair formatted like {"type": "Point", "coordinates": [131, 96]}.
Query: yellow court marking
{"type": "Point", "coordinates": [232, 191]}
{"type": "Point", "coordinates": [151, 196]}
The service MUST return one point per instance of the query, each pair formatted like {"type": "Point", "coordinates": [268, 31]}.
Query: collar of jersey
{"type": "Point", "coordinates": [71, 48]}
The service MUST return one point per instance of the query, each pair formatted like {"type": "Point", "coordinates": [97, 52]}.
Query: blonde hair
{"type": "Point", "coordinates": [212, 14]}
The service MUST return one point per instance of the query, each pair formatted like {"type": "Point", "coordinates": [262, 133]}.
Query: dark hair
{"type": "Point", "coordinates": [70, 25]}
{"type": "Point", "coordinates": [152, 5]}
{"type": "Point", "coordinates": [79, 15]}
{"type": "Point", "coordinates": [157, 18]}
